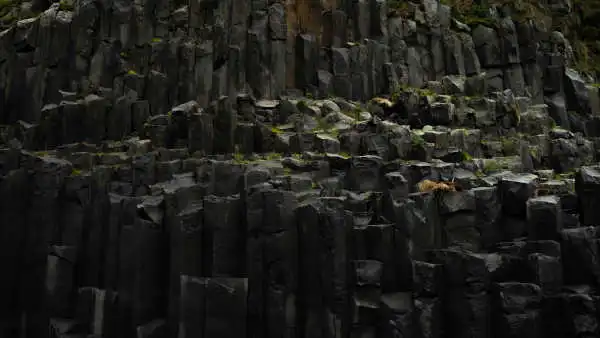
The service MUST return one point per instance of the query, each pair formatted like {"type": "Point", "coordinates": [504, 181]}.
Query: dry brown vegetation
{"type": "Point", "coordinates": [433, 186]}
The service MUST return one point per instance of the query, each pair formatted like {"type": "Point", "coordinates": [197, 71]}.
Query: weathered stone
{"type": "Point", "coordinates": [514, 191]}
{"type": "Point", "coordinates": [587, 185]}
{"type": "Point", "coordinates": [186, 170]}
{"type": "Point", "coordinates": [544, 218]}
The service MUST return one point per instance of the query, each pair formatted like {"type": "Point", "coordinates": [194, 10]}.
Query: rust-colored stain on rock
{"type": "Point", "coordinates": [305, 17]}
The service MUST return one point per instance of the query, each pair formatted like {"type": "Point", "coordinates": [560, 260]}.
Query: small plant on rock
{"type": "Point", "coordinates": [65, 5]}
{"type": "Point", "coordinates": [417, 140]}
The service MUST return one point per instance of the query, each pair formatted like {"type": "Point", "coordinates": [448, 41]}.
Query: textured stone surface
{"type": "Point", "coordinates": [251, 169]}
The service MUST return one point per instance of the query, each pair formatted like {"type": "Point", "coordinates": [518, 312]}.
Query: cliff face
{"type": "Point", "coordinates": [167, 54]}
{"type": "Point", "coordinates": [250, 169]}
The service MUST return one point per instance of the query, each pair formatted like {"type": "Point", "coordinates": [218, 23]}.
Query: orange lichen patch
{"type": "Point", "coordinates": [429, 186]}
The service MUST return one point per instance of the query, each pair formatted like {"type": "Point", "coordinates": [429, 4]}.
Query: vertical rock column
{"type": "Point", "coordinates": [126, 268]}
{"type": "Point", "coordinates": [213, 307]}
{"type": "Point", "coordinates": [238, 46]}
{"type": "Point", "coordinates": [93, 313]}
{"type": "Point", "coordinates": [514, 191]}
{"type": "Point", "coordinates": [570, 314]}
{"type": "Point", "coordinates": [203, 72]}
{"type": "Point", "coordinates": [184, 225]}
{"type": "Point", "coordinates": [6, 47]}
{"type": "Point", "coordinates": [223, 238]}
{"type": "Point", "coordinates": [553, 68]}
{"type": "Point", "coordinates": [337, 279]}
{"type": "Point", "coordinates": [527, 36]}
{"type": "Point", "coordinates": [151, 262]}
{"type": "Point", "coordinates": [41, 228]}
{"type": "Point", "coordinates": [311, 318]}
{"type": "Point", "coordinates": [428, 292]}
{"type": "Point", "coordinates": [112, 255]}
{"type": "Point", "coordinates": [580, 263]}
{"type": "Point", "coordinates": [14, 191]}
{"type": "Point", "coordinates": [513, 71]}
{"type": "Point", "coordinates": [380, 275]}
{"type": "Point", "coordinates": [366, 297]}
{"type": "Point", "coordinates": [418, 218]}
{"type": "Point", "coordinates": [225, 122]}
{"type": "Point", "coordinates": [587, 186]}
{"type": "Point", "coordinates": [358, 71]}
{"type": "Point", "coordinates": [306, 62]}
{"type": "Point", "coordinates": [272, 265]}
{"type": "Point", "coordinates": [518, 310]}
{"type": "Point", "coordinates": [380, 243]}
{"type": "Point", "coordinates": [489, 51]}
{"type": "Point", "coordinates": [277, 27]}
{"type": "Point", "coordinates": [201, 133]}
{"type": "Point", "coordinates": [89, 204]}
{"type": "Point", "coordinates": [208, 246]}
{"type": "Point", "coordinates": [398, 48]}
{"type": "Point", "coordinates": [142, 262]}
{"type": "Point", "coordinates": [544, 218]}
{"type": "Point", "coordinates": [378, 57]}
{"type": "Point", "coordinates": [340, 59]}
{"type": "Point", "coordinates": [466, 308]}
{"type": "Point", "coordinates": [457, 211]}
{"type": "Point", "coordinates": [258, 53]}
{"type": "Point", "coordinates": [187, 62]}
{"type": "Point", "coordinates": [488, 211]}
{"type": "Point", "coordinates": [397, 208]}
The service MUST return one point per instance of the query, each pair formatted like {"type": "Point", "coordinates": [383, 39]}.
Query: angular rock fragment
{"type": "Point", "coordinates": [544, 218]}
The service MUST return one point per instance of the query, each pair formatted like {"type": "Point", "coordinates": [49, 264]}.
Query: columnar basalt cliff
{"type": "Point", "coordinates": [255, 169]}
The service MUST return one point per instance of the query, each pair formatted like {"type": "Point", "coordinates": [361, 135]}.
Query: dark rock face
{"type": "Point", "coordinates": [251, 169]}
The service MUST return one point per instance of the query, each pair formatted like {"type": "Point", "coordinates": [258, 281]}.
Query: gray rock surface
{"type": "Point", "coordinates": [252, 169]}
